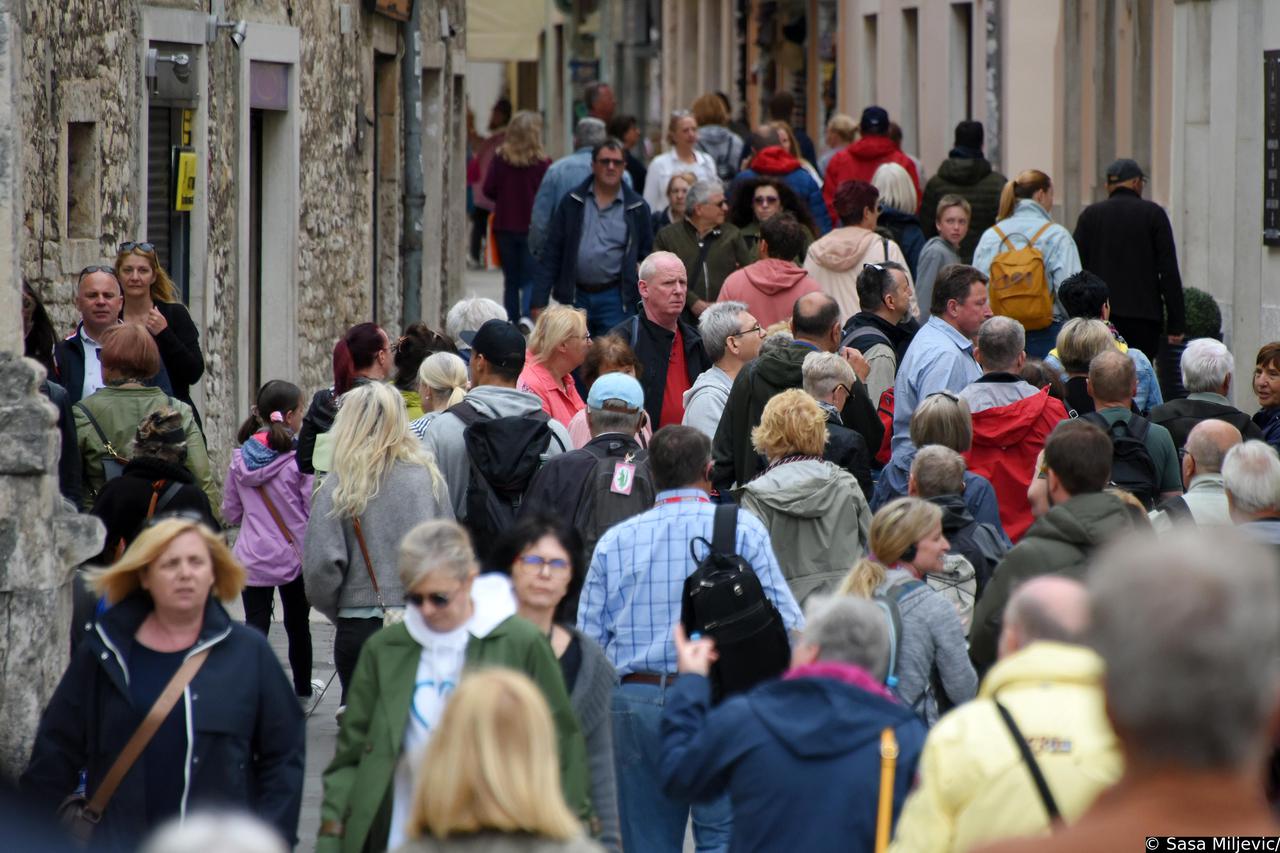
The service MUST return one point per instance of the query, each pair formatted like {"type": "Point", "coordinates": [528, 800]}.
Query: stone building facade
{"type": "Point", "coordinates": [290, 117]}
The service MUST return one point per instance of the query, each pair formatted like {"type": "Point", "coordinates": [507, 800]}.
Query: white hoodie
{"type": "Point", "coordinates": [439, 669]}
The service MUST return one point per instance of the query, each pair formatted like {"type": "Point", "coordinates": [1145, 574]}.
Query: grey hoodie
{"type": "Point", "coordinates": [992, 395]}
{"type": "Point", "coordinates": [818, 522]}
{"type": "Point", "coordinates": [704, 402]}
{"type": "Point", "coordinates": [444, 439]}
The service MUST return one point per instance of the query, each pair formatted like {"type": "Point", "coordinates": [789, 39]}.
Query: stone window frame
{"type": "Point", "coordinates": [81, 104]}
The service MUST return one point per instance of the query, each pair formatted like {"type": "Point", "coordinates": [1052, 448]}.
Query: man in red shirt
{"type": "Point", "coordinates": [669, 350]}
{"type": "Point", "coordinates": [858, 161]}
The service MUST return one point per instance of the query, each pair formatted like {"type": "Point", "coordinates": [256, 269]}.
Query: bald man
{"type": "Point", "coordinates": [974, 783]}
{"type": "Point", "coordinates": [1205, 502]}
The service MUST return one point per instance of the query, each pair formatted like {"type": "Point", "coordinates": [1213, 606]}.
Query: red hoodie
{"type": "Point", "coordinates": [1006, 442]}
{"type": "Point", "coordinates": [770, 287]}
{"type": "Point", "coordinates": [858, 162]}
{"type": "Point", "coordinates": [774, 161]}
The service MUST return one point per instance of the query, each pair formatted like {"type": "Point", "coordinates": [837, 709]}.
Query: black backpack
{"type": "Point", "coordinates": [604, 503]}
{"type": "Point", "coordinates": [504, 454]}
{"type": "Point", "coordinates": [1132, 467]}
{"type": "Point", "coordinates": [723, 599]}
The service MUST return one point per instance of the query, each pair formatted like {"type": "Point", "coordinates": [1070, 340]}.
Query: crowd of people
{"type": "Point", "coordinates": [725, 521]}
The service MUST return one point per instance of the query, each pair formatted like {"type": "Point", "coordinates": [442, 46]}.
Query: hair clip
{"type": "Point", "coordinates": [277, 418]}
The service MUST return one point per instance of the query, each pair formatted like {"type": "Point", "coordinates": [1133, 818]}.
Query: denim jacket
{"type": "Point", "coordinates": [1061, 259]}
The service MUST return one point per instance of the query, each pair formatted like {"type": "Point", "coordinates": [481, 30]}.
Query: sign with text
{"type": "Point", "coordinates": [185, 185]}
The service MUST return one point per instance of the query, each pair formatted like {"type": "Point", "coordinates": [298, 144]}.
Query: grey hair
{"type": "Point", "coordinates": [715, 326]}
{"type": "Point", "coordinates": [848, 629]}
{"type": "Point", "coordinates": [1251, 475]}
{"type": "Point", "coordinates": [701, 192]}
{"type": "Point", "coordinates": [435, 546]}
{"type": "Point", "coordinates": [776, 341]}
{"type": "Point", "coordinates": [1192, 651]}
{"type": "Point", "coordinates": [468, 315]}
{"type": "Point", "coordinates": [649, 266]}
{"type": "Point", "coordinates": [589, 132]}
{"type": "Point", "coordinates": [1206, 364]}
{"type": "Point", "coordinates": [609, 420]}
{"type": "Point", "coordinates": [216, 832]}
{"type": "Point", "coordinates": [938, 471]}
{"type": "Point", "coordinates": [1000, 341]}
{"type": "Point", "coordinates": [823, 371]}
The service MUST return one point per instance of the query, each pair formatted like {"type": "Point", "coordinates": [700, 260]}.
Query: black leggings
{"type": "Point", "coordinates": [258, 604]}
{"type": "Point", "coordinates": [479, 229]}
{"type": "Point", "coordinates": [348, 639]}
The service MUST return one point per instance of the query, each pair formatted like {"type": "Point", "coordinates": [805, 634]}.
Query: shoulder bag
{"type": "Point", "coordinates": [389, 616]}
{"type": "Point", "coordinates": [288, 536]}
{"type": "Point", "coordinates": [112, 463]}
{"type": "Point", "coordinates": [1037, 776]}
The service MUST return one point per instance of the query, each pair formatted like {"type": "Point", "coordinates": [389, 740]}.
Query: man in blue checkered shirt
{"type": "Point", "coordinates": [630, 605]}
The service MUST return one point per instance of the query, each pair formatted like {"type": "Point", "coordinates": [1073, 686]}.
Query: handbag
{"type": "Point", "coordinates": [389, 616]}
{"type": "Point", "coordinates": [81, 817]}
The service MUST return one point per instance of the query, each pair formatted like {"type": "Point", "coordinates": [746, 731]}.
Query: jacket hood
{"type": "Point", "coordinates": [261, 474]}
{"type": "Point", "coordinates": [1083, 522]}
{"type": "Point", "coordinates": [811, 488]}
{"type": "Point", "coordinates": [872, 148]}
{"type": "Point", "coordinates": [497, 402]}
{"type": "Point", "coordinates": [955, 513]}
{"type": "Point", "coordinates": [773, 275]}
{"type": "Point", "coordinates": [781, 368]}
{"type": "Point", "coordinates": [842, 248]}
{"type": "Point", "coordinates": [821, 717]}
{"type": "Point", "coordinates": [964, 171]}
{"type": "Point", "coordinates": [1011, 424]}
{"type": "Point", "coordinates": [1043, 661]}
{"type": "Point", "coordinates": [714, 382]}
{"type": "Point", "coordinates": [774, 160]}
{"type": "Point", "coordinates": [256, 453]}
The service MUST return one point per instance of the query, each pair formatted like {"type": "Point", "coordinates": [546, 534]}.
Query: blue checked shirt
{"type": "Point", "coordinates": [631, 599]}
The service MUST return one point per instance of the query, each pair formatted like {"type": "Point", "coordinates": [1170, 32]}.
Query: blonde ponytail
{"type": "Point", "coordinates": [863, 579]}
{"type": "Point", "coordinates": [1007, 201]}
{"type": "Point", "coordinates": [1026, 185]}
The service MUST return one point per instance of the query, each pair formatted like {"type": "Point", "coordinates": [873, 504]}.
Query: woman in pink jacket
{"type": "Point", "coordinates": [270, 499]}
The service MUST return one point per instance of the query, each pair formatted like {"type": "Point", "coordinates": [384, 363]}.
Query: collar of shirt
{"type": "Point", "coordinates": [1206, 483]}
{"type": "Point", "coordinates": [691, 494]}
{"type": "Point", "coordinates": [84, 336]}
{"type": "Point", "coordinates": [1209, 397]}
{"type": "Point", "coordinates": [617, 199]}
{"type": "Point", "coordinates": [951, 332]}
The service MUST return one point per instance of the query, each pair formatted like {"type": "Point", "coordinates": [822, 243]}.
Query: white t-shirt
{"type": "Point", "coordinates": [92, 364]}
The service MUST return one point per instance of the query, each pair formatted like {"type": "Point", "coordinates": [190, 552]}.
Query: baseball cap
{"type": "Point", "coordinates": [874, 120]}
{"type": "Point", "coordinates": [616, 386]}
{"type": "Point", "coordinates": [1124, 169]}
{"type": "Point", "coordinates": [499, 342]}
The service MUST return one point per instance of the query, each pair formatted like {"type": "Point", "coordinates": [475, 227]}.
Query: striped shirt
{"type": "Point", "coordinates": [631, 599]}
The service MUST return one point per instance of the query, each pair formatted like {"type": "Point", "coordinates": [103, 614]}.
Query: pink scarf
{"type": "Point", "coordinates": [846, 673]}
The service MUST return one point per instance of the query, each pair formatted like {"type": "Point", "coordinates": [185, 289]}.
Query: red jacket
{"type": "Point", "coordinates": [1006, 442]}
{"type": "Point", "coordinates": [774, 161]}
{"type": "Point", "coordinates": [858, 162]}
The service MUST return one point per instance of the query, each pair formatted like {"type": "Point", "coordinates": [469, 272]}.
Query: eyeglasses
{"type": "Point", "coordinates": [876, 267]}
{"type": "Point", "coordinates": [536, 564]}
{"type": "Point", "coordinates": [437, 599]}
{"type": "Point", "coordinates": [753, 330]}
{"type": "Point", "coordinates": [763, 200]}
{"type": "Point", "coordinates": [721, 203]}
{"type": "Point", "coordinates": [611, 162]}
{"type": "Point", "coordinates": [131, 245]}
{"type": "Point", "coordinates": [680, 113]}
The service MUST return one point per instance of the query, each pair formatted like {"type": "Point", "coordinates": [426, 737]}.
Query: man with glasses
{"type": "Point", "coordinates": [731, 335]}
{"type": "Point", "coordinates": [1128, 241]}
{"type": "Point", "coordinates": [830, 380]}
{"type": "Point", "coordinates": [877, 330]}
{"type": "Point", "coordinates": [710, 247]}
{"type": "Point", "coordinates": [99, 299]}
{"type": "Point", "coordinates": [771, 160]}
{"type": "Point", "coordinates": [598, 235]}
{"type": "Point", "coordinates": [771, 285]}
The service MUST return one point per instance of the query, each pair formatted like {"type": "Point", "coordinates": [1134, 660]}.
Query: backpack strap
{"type": "Point", "coordinates": [635, 331]}
{"type": "Point", "coordinates": [1037, 235]}
{"type": "Point", "coordinates": [466, 413]}
{"type": "Point", "coordinates": [884, 247]}
{"type": "Point", "coordinates": [1178, 510]}
{"type": "Point", "coordinates": [1037, 776]}
{"type": "Point", "coordinates": [724, 532]}
{"type": "Point", "coordinates": [102, 436]}
{"type": "Point", "coordinates": [1139, 427]}
{"type": "Point", "coordinates": [865, 332]}
{"type": "Point", "coordinates": [1004, 238]}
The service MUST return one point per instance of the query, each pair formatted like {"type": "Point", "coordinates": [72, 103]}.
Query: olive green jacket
{"type": "Point", "coordinates": [725, 253]}
{"type": "Point", "coordinates": [358, 782]}
{"type": "Point", "coordinates": [119, 411]}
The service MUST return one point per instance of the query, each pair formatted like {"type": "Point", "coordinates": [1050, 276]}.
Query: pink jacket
{"type": "Point", "coordinates": [769, 287]}
{"type": "Point", "coordinates": [261, 547]}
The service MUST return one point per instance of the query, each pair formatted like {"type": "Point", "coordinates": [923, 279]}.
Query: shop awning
{"type": "Point", "coordinates": [506, 30]}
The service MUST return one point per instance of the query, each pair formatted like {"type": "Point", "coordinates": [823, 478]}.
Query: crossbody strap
{"type": "Point", "coordinates": [142, 736]}
{"type": "Point", "coordinates": [368, 564]}
{"type": "Point", "coordinates": [724, 529]}
{"type": "Point", "coordinates": [102, 436]}
{"type": "Point", "coordinates": [288, 537]}
{"type": "Point", "coordinates": [1037, 776]}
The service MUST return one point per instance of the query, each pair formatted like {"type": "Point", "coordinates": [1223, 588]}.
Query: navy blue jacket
{"type": "Point", "coordinates": [557, 270]}
{"type": "Point", "coordinates": [800, 759]}
{"type": "Point", "coordinates": [249, 743]}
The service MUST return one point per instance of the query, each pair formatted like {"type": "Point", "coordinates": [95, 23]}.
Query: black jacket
{"type": "Point", "coordinates": [556, 273]}
{"type": "Point", "coordinates": [122, 503]}
{"type": "Point", "coordinates": [979, 543]}
{"type": "Point", "coordinates": [249, 738]}
{"type": "Point", "coordinates": [1128, 242]}
{"type": "Point", "coordinates": [317, 421]}
{"type": "Point", "coordinates": [69, 461]}
{"type": "Point", "coordinates": [179, 346]}
{"type": "Point", "coordinates": [652, 346]}
{"type": "Point", "coordinates": [859, 335]}
{"type": "Point", "coordinates": [68, 355]}
{"type": "Point", "coordinates": [1179, 417]}
{"type": "Point", "coordinates": [848, 449]}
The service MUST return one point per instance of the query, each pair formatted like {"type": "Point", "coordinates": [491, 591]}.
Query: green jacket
{"type": "Point", "coordinates": [725, 254]}
{"type": "Point", "coordinates": [118, 412]}
{"type": "Point", "coordinates": [358, 782]}
{"type": "Point", "coordinates": [977, 183]}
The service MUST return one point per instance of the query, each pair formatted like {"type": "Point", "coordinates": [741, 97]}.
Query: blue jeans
{"type": "Point", "coordinates": [604, 310]}
{"type": "Point", "coordinates": [650, 820]}
{"type": "Point", "coordinates": [517, 273]}
{"type": "Point", "coordinates": [1041, 341]}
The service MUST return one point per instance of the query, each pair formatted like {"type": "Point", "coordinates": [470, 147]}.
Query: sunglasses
{"type": "Point", "coordinates": [611, 162]}
{"type": "Point", "coordinates": [437, 599]}
{"type": "Point", "coordinates": [536, 563]}
{"type": "Point", "coordinates": [93, 268]}
{"type": "Point", "coordinates": [766, 199]}
{"type": "Point", "coordinates": [131, 245]}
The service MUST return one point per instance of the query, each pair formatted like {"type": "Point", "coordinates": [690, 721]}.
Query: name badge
{"type": "Point", "coordinates": [624, 477]}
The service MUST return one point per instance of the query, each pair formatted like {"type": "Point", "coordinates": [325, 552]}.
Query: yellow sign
{"type": "Point", "coordinates": [186, 183]}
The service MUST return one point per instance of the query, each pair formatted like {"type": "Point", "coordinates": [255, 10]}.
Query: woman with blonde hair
{"type": "Point", "coordinates": [682, 156]}
{"type": "Point", "coordinates": [677, 191]}
{"type": "Point", "coordinates": [787, 139]}
{"type": "Point", "coordinates": [240, 746]}
{"type": "Point", "coordinates": [815, 511]}
{"type": "Point", "coordinates": [899, 205]}
{"type": "Point", "coordinates": [1079, 341]}
{"type": "Point", "coordinates": [557, 347]}
{"type": "Point", "coordinates": [488, 782]}
{"type": "Point", "coordinates": [442, 383]}
{"type": "Point", "coordinates": [383, 484]}
{"type": "Point", "coordinates": [395, 736]}
{"type": "Point", "coordinates": [906, 544]}
{"type": "Point", "coordinates": [512, 182]}
{"type": "Point", "coordinates": [1023, 220]}
{"type": "Point", "coordinates": [153, 302]}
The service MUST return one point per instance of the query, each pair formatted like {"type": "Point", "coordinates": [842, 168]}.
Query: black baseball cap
{"type": "Point", "coordinates": [1124, 169]}
{"type": "Point", "coordinates": [499, 342]}
{"type": "Point", "coordinates": [874, 120]}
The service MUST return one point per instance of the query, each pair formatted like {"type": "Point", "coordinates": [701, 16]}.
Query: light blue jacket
{"type": "Point", "coordinates": [1148, 396]}
{"type": "Point", "coordinates": [1061, 258]}
{"type": "Point", "coordinates": [562, 177]}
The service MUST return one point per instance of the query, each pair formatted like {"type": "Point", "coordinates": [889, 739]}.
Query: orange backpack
{"type": "Point", "coordinates": [1019, 285]}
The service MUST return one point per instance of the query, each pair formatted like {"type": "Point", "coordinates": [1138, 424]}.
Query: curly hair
{"type": "Point", "coordinates": [742, 211]}
{"type": "Point", "coordinates": [792, 423]}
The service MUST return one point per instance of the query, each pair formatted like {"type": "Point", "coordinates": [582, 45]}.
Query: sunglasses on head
{"type": "Point", "coordinates": [190, 515]}
{"type": "Point", "coordinates": [131, 245]}
{"type": "Point", "coordinates": [437, 599]}
{"type": "Point", "coordinates": [93, 268]}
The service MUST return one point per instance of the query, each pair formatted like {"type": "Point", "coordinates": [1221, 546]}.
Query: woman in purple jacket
{"type": "Point", "coordinates": [512, 181]}
{"type": "Point", "coordinates": [270, 499]}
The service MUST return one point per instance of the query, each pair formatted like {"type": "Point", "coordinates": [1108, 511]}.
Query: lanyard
{"type": "Point", "coordinates": [682, 499]}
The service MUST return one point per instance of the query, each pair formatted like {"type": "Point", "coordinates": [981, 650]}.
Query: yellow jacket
{"type": "Point", "coordinates": [973, 785]}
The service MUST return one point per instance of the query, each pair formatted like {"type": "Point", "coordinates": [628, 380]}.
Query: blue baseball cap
{"type": "Point", "coordinates": [616, 386]}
